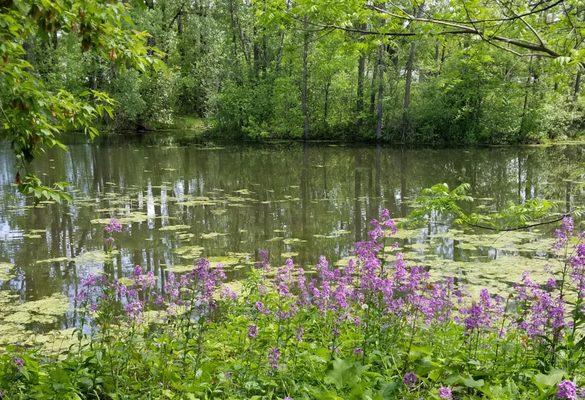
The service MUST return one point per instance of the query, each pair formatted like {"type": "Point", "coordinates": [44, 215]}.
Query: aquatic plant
{"type": "Point", "coordinates": [113, 226]}
{"type": "Point", "coordinates": [376, 328]}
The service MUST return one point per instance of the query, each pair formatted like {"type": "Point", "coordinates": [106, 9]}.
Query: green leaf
{"type": "Point", "coordinates": [543, 381]}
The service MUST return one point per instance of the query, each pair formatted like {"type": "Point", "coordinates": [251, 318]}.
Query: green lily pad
{"type": "Point", "coordinates": [173, 228]}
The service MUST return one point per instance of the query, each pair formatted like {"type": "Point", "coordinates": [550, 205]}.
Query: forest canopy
{"type": "Point", "coordinates": [457, 72]}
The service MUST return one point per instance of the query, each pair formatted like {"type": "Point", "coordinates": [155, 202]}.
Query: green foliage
{"type": "Point", "coordinates": [34, 113]}
{"type": "Point", "coordinates": [439, 202]}
{"type": "Point", "coordinates": [440, 199]}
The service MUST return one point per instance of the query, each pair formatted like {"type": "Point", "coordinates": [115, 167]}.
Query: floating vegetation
{"type": "Point", "coordinates": [343, 262]}
{"type": "Point", "coordinates": [57, 342]}
{"type": "Point", "coordinates": [200, 201]}
{"type": "Point", "coordinates": [290, 241]}
{"type": "Point", "coordinates": [212, 235]}
{"type": "Point", "coordinates": [336, 234]}
{"type": "Point", "coordinates": [189, 252]}
{"type": "Point", "coordinates": [135, 216]}
{"type": "Point", "coordinates": [182, 268]}
{"type": "Point", "coordinates": [243, 258]}
{"type": "Point", "coordinates": [408, 233]}
{"type": "Point", "coordinates": [238, 205]}
{"type": "Point", "coordinates": [174, 228]}
{"type": "Point", "coordinates": [341, 232]}
{"type": "Point", "coordinates": [466, 246]}
{"type": "Point", "coordinates": [418, 246]}
{"type": "Point", "coordinates": [186, 236]}
{"type": "Point", "coordinates": [95, 257]}
{"type": "Point", "coordinates": [44, 311]}
{"type": "Point", "coordinates": [11, 333]}
{"type": "Point", "coordinates": [236, 199]}
{"type": "Point", "coordinates": [224, 260]}
{"type": "Point", "coordinates": [52, 260]}
{"type": "Point", "coordinates": [6, 271]}
{"type": "Point", "coordinates": [243, 192]}
{"type": "Point", "coordinates": [289, 254]}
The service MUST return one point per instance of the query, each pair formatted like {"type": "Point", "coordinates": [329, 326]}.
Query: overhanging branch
{"type": "Point", "coordinates": [471, 30]}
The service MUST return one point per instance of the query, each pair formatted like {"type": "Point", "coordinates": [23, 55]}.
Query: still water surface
{"type": "Point", "coordinates": [181, 202]}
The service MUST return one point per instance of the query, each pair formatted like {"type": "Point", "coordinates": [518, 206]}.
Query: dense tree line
{"type": "Point", "coordinates": [417, 72]}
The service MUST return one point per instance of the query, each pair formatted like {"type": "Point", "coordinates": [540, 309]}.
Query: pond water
{"type": "Point", "coordinates": [178, 203]}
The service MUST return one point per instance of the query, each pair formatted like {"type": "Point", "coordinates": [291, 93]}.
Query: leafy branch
{"type": "Point", "coordinates": [439, 201]}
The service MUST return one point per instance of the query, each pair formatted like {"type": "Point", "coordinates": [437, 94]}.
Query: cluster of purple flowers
{"type": "Point", "coordinates": [18, 362]}
{"type": "Point", "coordinates": [409, 379]}
{"type": "Point", "coordinates": [567, 390]}
{"type": "Point", "coordinates": [341, 294]}
{"type": "Point", "coordinates": [113, 226]}
{"type": "Point", "coordinates": [542, 311]}
{"type": "Point", "coordinates": [367, 282]}
{"type": "Point", "coordinates": [252, 331]}
{"type": "Point", "coordinates": [564, 233]}
{"type": "Point", "coordinates": [578, 269]}
{"type": "Point", "coordinates": [483, 313]}
{"type": "Point", "coordinates": [194, 291]}
{"type": "Point", "coordinates": [445, 393]}
{"type": "Point", "coordinates": [273, 357]}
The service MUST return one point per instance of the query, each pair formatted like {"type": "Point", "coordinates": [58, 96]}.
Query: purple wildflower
{"type": "Point", "coordinates": [228, 293]}
{"type": "Point", "coordinates": [273, 357]}
{"type": "Point", "coordinates": [264, 262]}
{"type": "Point", "coordinates": [445, 393]}
{"type": "Point", "coordinates": [300, 333]}
{"type": "Point", "coordinates": [480, 314]}
{"type": "Point", "coordinates": [18, 362]}
{"type": "Point", "coordinates": [113, 226]}
{"type": "Point", "coordinates": [563, 233]}
{"type": "Point", "coordinates": [284, 278]}
{"type": "Point", "coordinates": [261, 308]}
{"type": "Point", "coordinates": [578, 269]}
{"type": "Point", "coordinates": [252, 331]}
{"type": "Point", "coordinates": [137, 270]}
{"type": "Point", "coordinates": [134, 309]}
{"type": "Point", "coordinates": [409, 379]}
{"type": "Point", "coordinates": [567, 390]}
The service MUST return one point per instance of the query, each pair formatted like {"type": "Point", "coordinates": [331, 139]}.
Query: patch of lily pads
{"type": "Point", "coordinates": [6, 271]}
{"type": "Point", "coordinates": [173, 228]}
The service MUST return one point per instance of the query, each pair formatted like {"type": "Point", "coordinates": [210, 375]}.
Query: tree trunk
{"type": "Point", "coordinates": [525, 104]}
{"type": "Point", "coordinates": [577, 87]}
{"type": "Point", "coordinates": [373, 88]}
{"type": "Point", "coordinates": [379, 116]}
{"type": "Point", "coordinates": [406, 123]}
{"type": "Point", "coordinates": [326, 105]}
{"type": "Point", "coordinates": [234, 28]}
{"type": "Point", "coordinates": [150, 41]}
{"type": "Point", "coordinates": [305, 78]}
{"type": "Point", "coordinates": [256, 56]}
{"type": "Point", "coordinates": [360, 88]}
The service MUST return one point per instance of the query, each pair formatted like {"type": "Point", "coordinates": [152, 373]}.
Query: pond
{"type": "Point", "coordinates": [178, 203]}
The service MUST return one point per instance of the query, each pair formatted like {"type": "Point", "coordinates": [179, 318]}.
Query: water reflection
{"type": "Point", "coordinates": [299, 200]}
